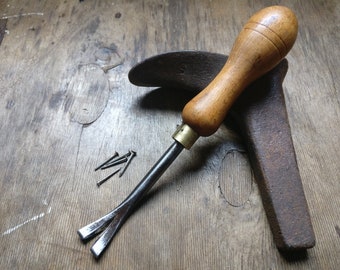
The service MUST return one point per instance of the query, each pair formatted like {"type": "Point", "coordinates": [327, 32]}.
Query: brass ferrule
{"type": "Point", "coordinates": [185, 135]}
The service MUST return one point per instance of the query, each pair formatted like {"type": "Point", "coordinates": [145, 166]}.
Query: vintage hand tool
{"type": "Point", "coordinates": [263, 42]}
{"type": "Point", "coordinates": [259, 115]}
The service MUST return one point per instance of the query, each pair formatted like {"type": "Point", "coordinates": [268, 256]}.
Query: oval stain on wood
{"type": "Point", "coordinates": [235, 178]}
{"type": "Point", "coordinates": [89, 89]}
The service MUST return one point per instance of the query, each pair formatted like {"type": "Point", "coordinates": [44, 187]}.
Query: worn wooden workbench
{"type": "Point", "coordinates": [66, 105]}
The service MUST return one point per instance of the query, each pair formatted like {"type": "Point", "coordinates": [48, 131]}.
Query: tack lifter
{"type": "Point", "coordinates": [262, 43]}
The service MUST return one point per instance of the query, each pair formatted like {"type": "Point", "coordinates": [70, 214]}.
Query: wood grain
{"type": "Point", "coordinates": [66, 105]}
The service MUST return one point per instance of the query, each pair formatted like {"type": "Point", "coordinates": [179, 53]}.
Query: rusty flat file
{"type": "Point", "coordinates": [261, 118]}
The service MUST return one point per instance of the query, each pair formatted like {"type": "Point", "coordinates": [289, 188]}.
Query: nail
{"type": "Point", "coordinates": [99, 183]}
{"type": "Point", "coordinates": [106, 162]}
{"type": "Point", "coordinates": [133, 154]}
{"type": "Point", "coordinates": [119, 158]}
{"type": "Point", "coordinates": [116, 162]}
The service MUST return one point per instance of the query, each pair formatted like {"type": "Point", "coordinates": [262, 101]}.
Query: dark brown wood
{"type": "Point", "coordinates": [50, 142]}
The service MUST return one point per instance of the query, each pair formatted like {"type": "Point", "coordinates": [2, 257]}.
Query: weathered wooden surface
{"type": "Point", "coordinates": [63, 110]}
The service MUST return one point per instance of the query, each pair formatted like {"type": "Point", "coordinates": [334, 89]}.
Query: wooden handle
{"type": "Point", "coordinates": [263, 42]}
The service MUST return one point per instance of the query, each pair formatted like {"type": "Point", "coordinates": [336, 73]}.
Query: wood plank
{"type": "Point", "coordinates": [67, 105]}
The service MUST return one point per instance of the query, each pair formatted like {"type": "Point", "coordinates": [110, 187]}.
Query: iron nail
{"type": "Point", "coordinates": [119, 158]}
{"type": "Point", "coordinates": [133, 154]}
{"type": "Point", "coordinates": [116, 162]}
{"type": "Point", "coordinates": [106, 162]}
{"type": "Point", "coordinates": [99, 183]}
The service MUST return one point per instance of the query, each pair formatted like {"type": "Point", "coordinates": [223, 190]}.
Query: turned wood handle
{"type": "Point", "coordinates": [263, 42]}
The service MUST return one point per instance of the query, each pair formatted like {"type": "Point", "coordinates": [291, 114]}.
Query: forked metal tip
{"type": "Point", "coordinates": [116, 218]}
{"type": "Point", "coordinates": [106, 237]}
{"type": "Point", "coordinates": [91, 230]}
